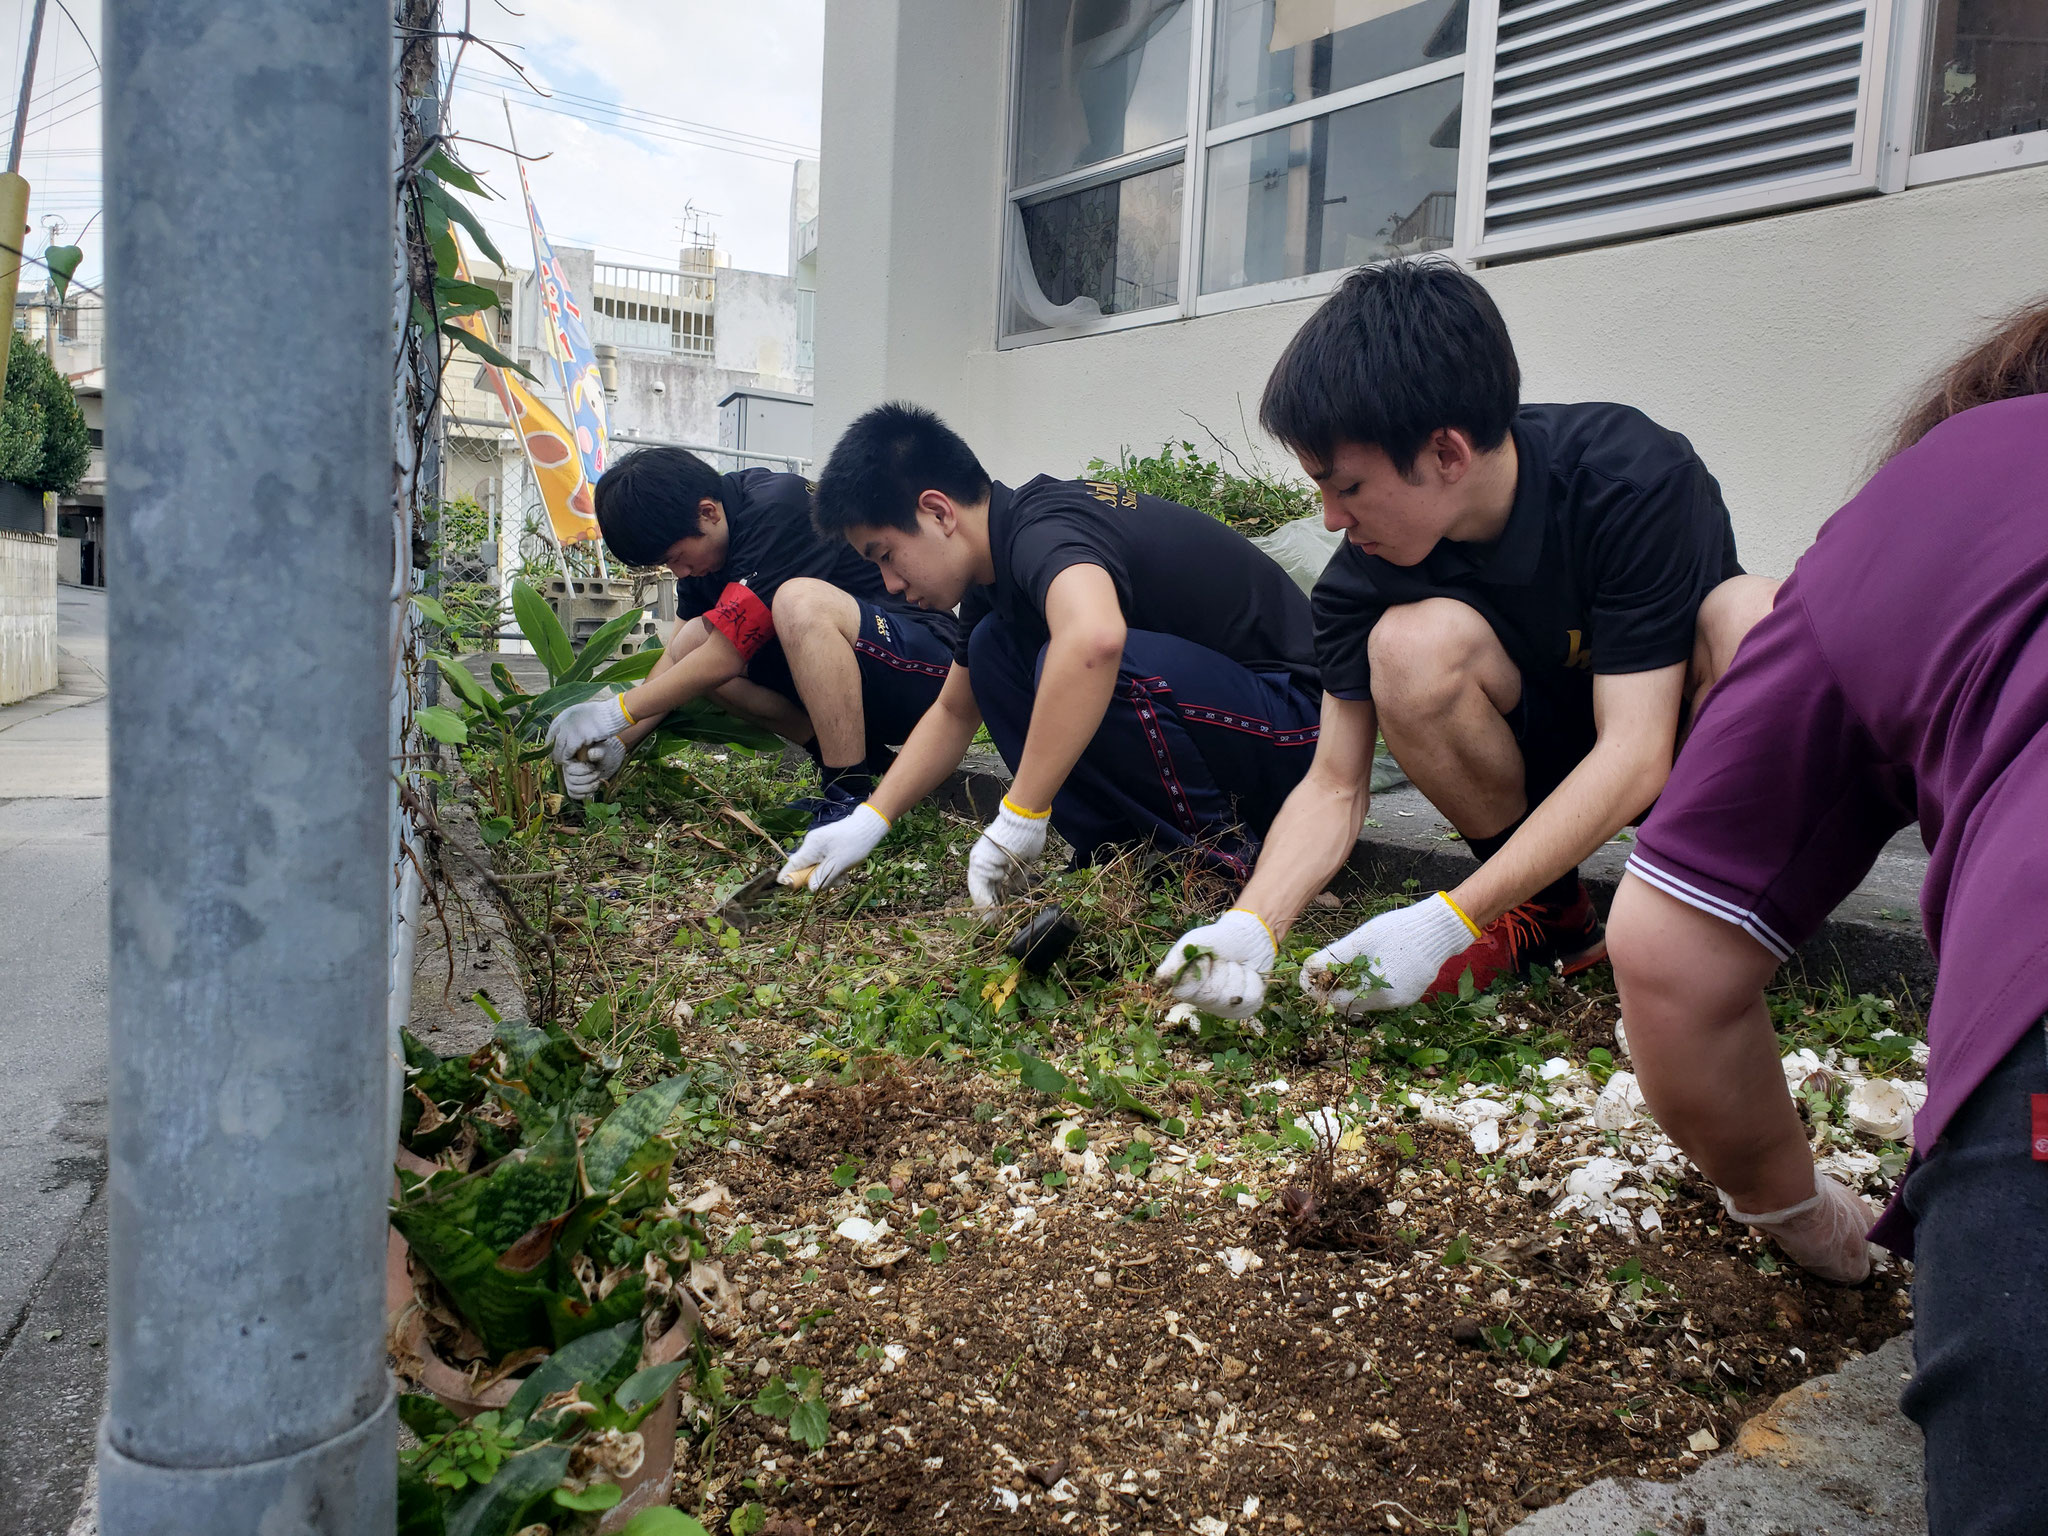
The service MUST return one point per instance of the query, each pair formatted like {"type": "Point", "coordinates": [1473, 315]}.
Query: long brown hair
{"type": "Point", "coordinates": [2012, 361]}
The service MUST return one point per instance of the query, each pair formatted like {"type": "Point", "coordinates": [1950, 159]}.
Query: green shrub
{"type": "Point", "coordinates": [1253, 502]}
{"type": "Point", "coordinates": [42, 431]}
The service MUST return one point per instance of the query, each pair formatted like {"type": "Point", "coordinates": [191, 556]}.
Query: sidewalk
{"type": "Point", "coordinates": [53, 1077]}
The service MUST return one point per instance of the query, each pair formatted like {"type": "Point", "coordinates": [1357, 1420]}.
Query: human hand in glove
{"type": "Point", "coordinates": [1230, 980]}
{"type": "Point", "coordinates": [1823, 1234]}
{"type": "Point", "coordinates": [828, 852]}
{"type": "Point", "coordinates": [581, 776]}
{"type": "Point", "coordinates": [1405, 949]}
{"type": "Point", "coordinates": [1005, 854]}
{"type": "Point", "coordinates": [586, 724]}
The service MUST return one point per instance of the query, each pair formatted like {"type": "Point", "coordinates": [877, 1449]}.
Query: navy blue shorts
{"type": "Point", "coordinates": [1195, 751]}
{"type": "Point", "coordinates": [904, 659]}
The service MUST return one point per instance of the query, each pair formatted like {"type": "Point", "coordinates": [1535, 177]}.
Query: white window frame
{"type": "Point", "coordinates": [1894, 64]}
{"type": "Point", "coordinates": [1906, 166]}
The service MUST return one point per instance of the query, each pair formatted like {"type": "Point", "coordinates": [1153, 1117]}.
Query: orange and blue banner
{"type": "Point", "coordinates": [568, 343]}
{"type": "Point", "coordinates": [551, 452]}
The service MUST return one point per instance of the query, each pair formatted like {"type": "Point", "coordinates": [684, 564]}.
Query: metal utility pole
{"type": "Point", "coordinates": [13, 190]}
{"type": "Point", "coordinates": [28, 80]}
{"type": "Point", "coordinates": [249, 176]}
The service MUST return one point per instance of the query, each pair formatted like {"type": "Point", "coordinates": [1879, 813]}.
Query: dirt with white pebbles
{"type": "Point", "coordinates": [1068, 1366]}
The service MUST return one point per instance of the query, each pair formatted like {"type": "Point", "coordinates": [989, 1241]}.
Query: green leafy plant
{"type": "Point", "coordinates": [507, 1468]}
{"type": "Point", "coordinates": [502, 1240]}
{"type": "Point", "coordinates": [1250, 500]}
{"type": "Point", "coordinates": [504, 725]}
{"type": "Point", "coordinates": [43, 443]}
{"type": "Point", "coordinates": [799, 1403]}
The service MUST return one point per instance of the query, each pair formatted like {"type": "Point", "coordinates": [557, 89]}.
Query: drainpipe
{"type": "Point", "coordinates": [249, 424]}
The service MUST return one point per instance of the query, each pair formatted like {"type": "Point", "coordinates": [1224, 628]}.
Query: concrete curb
{"type": "Point", "coordinates": [1834, 1455]}
{"type": "Point", "coordinates": [445, 1016]}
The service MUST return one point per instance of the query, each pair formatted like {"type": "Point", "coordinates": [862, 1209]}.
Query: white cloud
{"type": "Point", "coordinates": [754, 68]}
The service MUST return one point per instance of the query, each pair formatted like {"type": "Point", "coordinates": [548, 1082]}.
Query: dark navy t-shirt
{"type": "Point", "coordinates": [1176, 571]}
{"type": "Point", "coordinates": [1617, 533]}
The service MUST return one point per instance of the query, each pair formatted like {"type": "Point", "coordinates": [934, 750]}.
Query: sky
{"type": "Point", "coordinates": [662, 105]}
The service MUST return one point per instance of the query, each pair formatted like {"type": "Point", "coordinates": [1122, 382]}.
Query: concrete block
{"type": "Point", "coordinates": [1832, 1456]}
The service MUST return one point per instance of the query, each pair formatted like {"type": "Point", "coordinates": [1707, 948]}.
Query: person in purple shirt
{"type": "Point", "coordinates": [1902, 676]}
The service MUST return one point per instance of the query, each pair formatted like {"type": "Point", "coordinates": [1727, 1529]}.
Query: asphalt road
{"type": "Point", "coordinates": [53, 1078]}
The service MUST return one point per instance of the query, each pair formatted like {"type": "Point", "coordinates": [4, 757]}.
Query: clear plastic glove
{"type": "Point", "coordinates": [1405, 948]}
{"type": "Point", "coordinates": [1230, 980]}
{"type": "Point", "coordinates": [1823, 1235]}
{"type": "Point", "coordinates": [585, 724]}
{"type": "Point", "coordinates": [1005, 854]}
{"type": "Point", "coordinates": [826, 854]}
{"type": "Point", "coordinates": [581, 777]}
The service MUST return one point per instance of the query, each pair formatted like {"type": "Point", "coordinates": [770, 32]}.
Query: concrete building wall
{"type": "Point", "coordinates": [28, 614]}
{"type": "Point", "coordinates": [1783, 346]}
{"type": "Point", "coordinates": [755, 318]}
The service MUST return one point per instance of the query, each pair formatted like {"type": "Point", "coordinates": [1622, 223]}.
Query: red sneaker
{"type": "Point", "coordinates": [1567, 936]}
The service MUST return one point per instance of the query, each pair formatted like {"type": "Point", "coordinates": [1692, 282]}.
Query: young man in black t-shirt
{"type": "Point", "coordinates": [784, 628]}
{"type": "Point", "coordinates": [1528, 603]}
{"type": "Point", "coordinates": [1145, 671]}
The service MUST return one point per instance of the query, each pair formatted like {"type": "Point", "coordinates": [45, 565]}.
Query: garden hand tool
{"type": "Point", "coordinates": [597, 762]}
{"type": "Point", "coordinates": [1230, 980]}
{"type": "Point", "coordinates": [582, 725]}
{"type": "Point", "coordinates": [825, 855]}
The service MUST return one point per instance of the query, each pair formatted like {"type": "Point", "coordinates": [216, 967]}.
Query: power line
{"type": "Point", "coordinates": [634, 130]}
{"type": "Point", "coordinates": [662, 119]}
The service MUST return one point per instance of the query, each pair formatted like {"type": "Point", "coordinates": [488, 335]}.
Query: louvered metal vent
{"type": "Point", "coordinates": [1615, 115]}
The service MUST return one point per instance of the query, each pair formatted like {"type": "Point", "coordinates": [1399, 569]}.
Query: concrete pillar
{"type": "Point", "coordinates": [249, 423]}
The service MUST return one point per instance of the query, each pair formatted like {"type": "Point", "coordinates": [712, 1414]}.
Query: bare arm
{"type": "Point", "coordinates": [684, 636]}
{"type": "Point", "coordinates": [1087, 627]}
{"type": "Point", "coordinates": [1316, 828]}
{"type": "Point", "coordinates": [934, 749]}
{"type": "Point", "coordinates": [1636, 716]}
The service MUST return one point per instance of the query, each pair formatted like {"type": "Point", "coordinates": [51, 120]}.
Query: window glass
{"type": "Point", "coordinates": [1100, 78]}
{"type": "Point", "coordinates": [1273, 53]}
{"type": "Point", "coordinates": [1378, 179]}
{"type": "Point", "coordinates": [1101, 251]}
{"type": "Point", "coordinates": [1987, 72]}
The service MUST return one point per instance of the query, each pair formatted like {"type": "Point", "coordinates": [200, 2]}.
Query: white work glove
{"type": "Point", "coordinates": [827, 853]}
{"type": "Point", "coordinates": [1004, 854]}
{"type": "Point", "coordinates": [581, 777]}
{"type": "Point", "coordinates": [1822, 1235]}
{"type": "Point", "coordinates": [1229, 981]}
{"type": "Point", "coordinates": [1406, 948]}
{"type": "Point", "coordinates": [586, 724]}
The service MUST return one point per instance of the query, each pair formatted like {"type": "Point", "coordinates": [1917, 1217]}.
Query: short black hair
{"type": "Point", "coordinates": [886, 460]}
{"type": "Point", "coordinates": [649, 499]}
{"type": "Point", "coordinates": [1402, 349]}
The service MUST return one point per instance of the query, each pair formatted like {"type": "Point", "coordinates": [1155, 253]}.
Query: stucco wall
{"type": "Point", "coordinates": [755, 315]}
{"type": "Point", "coordinates": [28, 614]}
{"type": "Point", "coordinates": [1781, 346]}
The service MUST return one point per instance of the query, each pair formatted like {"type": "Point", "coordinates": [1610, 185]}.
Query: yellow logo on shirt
{"type": "Point", "coordinates": [1575, 656]}
{"type": "Point", "coordinates": [1111, 494]}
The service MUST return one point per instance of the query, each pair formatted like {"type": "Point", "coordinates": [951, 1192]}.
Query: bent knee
{"type": "Point", "coordinates": [1727, 614]}
{"type": "Point", "coordinates": [805, 600]}
{"type": "Point", "coordinates": [1425, 655]}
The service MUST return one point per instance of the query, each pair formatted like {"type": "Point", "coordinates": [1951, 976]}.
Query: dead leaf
{"type": "Point", "coordinates": [713, 1197]}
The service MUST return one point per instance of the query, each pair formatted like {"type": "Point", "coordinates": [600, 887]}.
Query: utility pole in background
{"type": "Point", "coordinates": [14, 190]}
{"type": "Point", "coordinates": [249, 175]}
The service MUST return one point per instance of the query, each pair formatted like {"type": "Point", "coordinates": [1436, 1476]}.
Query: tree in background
{"type": "Point", "coordinates": [43, 445]}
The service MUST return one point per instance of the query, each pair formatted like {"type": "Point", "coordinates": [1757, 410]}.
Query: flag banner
{"type": "Point", "coordinates": [568, 343]}
{"type": "Point", "coordinates": [550, 452]}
